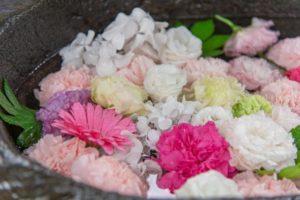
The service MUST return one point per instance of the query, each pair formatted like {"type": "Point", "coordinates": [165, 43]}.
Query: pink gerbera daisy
{"type": "Point", "coordinates": [94, 124]}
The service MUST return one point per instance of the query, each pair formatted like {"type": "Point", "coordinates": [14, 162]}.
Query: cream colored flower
{"type": "Point", "coordinates": [180, 46]}
{"type": "Point", "coordinates": [119, 93]}
{"type": "Point", "coordinates": [211, 184]}
{"type": "Point", "coordinates": [164, 81]}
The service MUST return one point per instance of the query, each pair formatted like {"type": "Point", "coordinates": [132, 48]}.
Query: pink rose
{"type": "Point", "coordinates": [252, 185]}
{"type": "Point", "coordinates": [58, 154]}
{"type": "Point", "coordinates": [108, 174]}
{"type": "Point", "coordinates": [187, 150]}
{"type": "Point", "coordinates": [294, 74]}
{"type": "Point", "coordinates": [68, 78]}
{"type": "Point", "coordinates": [137, 69]}
{"type": "Point", "coordinates": [252, 39]}
{"type": "Point", "coordinates": [253, 72]}
{"type": "Point", "coordinates": [286, 53]}
{"type": "Point", "coordinates": [203, 67]}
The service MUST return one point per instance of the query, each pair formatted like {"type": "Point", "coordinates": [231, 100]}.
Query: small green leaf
{"type": "Point", "coordinates": [262, 172]}
{"type": "Point", "coordinates": [29, 136]}
{"type": "Point", "coordinates": [292, 172]}
{"type": "Point", "coordinates": [296, 135]}
{"type": "Point", "coordinates": [178, 23]}
{"type": "Point", "coordinates": [215, 42]}
{"type": "Point", "coordinates": [213, 53]}
{"type": "Point", "coordinates": [10, 94]}
{"type": "Point", "coordinates": [6, 105]}
{"type": "Point", "coordinates": [203, 29]}
{"type": "Point", "coordinates": [228, 22]}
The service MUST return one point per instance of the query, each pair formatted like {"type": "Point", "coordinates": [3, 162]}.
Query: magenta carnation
{"type": "Point", "coordinates": [187, 150]}
{"type": "Point", "coordinates": [294, 74]}
{"type": "Point", "coordinates": [93, 124]}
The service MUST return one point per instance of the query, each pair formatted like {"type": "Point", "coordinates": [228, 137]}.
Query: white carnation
{"type": "Point", "coordinates": [286, 118]}
{"type": "Point", "coordinates": [180, 46]}
{"type": "Point", "coordinates": [164, 81]}
{"type": "Point", "coordinates": [258, 142]}
{"type": "Point", "coordinates": [211, 184]}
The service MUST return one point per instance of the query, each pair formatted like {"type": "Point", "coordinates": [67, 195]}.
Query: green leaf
{"type": "Point", "coordinates": [228, 22]}
{"type": "Point", "coordinates": [29, 136]}
{"type": "Point", "coordinates": [292, 172]}
{"type": "Point", "coordinates": [178, 23]}
{"type": "Point", "coordinates": [203, 29]}
{"type": "Point", "coordinates": [10, 95]}
{"type": "Point", "coordinates": [6, 105]}
{"type": "Point", "coordinates": [296, 135]}
{"type": "Point", "coordinates": [215, 42]}
{"type": "Point", "coordinates": [213, 53]}
{"type": "Point", "coordinates": [262, 172]}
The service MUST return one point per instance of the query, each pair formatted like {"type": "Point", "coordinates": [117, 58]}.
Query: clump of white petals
{"type": "Point", "coordinates": [163, 116]}
{"type": "Point", "coordinates": [211, 184]}
{"type": "Point", "coordinates": [179, 46]}
{"type": "Point", "coordinates": [258, 142]}
{"type": "Point", "coordinates": [112, 50]}
{"type": "Point", "coordinates": [285, 117]}
{"type": "Point", "coordinates": [163, 81]}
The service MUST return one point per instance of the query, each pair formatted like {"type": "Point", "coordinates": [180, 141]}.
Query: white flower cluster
{"type": "Point", "coordinates": [162, 116]}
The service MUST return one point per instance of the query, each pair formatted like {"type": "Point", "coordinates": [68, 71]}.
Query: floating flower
{"type": "Point", "coordinates": [204, 67]}
{"type": "Point", "coordinates": [108, 174]}
{"type": "Point", "coordinates": [59, 154]}
{"type": "Point", "coordinates": [283, 92]}
{"type": "Point", "coordinates": [294, 74]}
{"type": "Point", "coordinates": [180, 46]}
{"type": "Point", "coordinates": [252, 39]}
{"type": "Point", "coordinates": [119, 93]}
{"type": "Point", "coordinates": [252, 185]}
{"type": "Point", "coordinates": [216, 91]}
{"type": "Point", "coordinates": [286, 53]}
{"type": "Point", "coordinates": [68, 78]}
{"type": "Point", "coordinates": [164, 81]}
{"type": "Point", "coordinates": [137, 69]}
{"type": "Point", "coordinates": [283, 116]}
{"type": "Point", "coordinates": [251, 104]}
{"type": "Point", "coordinates": [253, 72]}
{"type": "Point", "coordinates": [60, 101]}
{"type": "Point", "coordinates": [258, 142]}
{"type": "Point", "coordinates": [211, 184]}
{"type": "Point", "coordinates": [96, 125]}
{"type": "Point", "coordinates": [187, 150]}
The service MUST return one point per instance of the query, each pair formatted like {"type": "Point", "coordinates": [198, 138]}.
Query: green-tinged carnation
{"type": "Point", "coordinates": [251, 104]}
{"type": "Point", "coordinates": [119, 93]}
{"type": "Point", "coordinates": [216, 91]}
{"type": "Point", "coordinates": [296, 135]}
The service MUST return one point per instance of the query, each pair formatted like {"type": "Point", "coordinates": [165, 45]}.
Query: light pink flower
{"type": "Point", "coordinates": [187, 150]}
{"type": "Point", "coordinates": [203, 67]}
{"type": "Point", "coordinates": [137, 69]}
{"type": "Point", "coordinates": [253, 72]}
{"type": "Point", "coordinates": [252, 39]}
{"type": "Point", "coordinates": [93, 124]}
{"type": "Point", "coordinates": [68, 78]}
{"type": "Point", "coordinates": [286, 53]}
{"type": "Point", "coordinates": [283, 92]}
{"type": "Point", "coordinates": [294, 74]}
{"type": "Point", "coordinates": [252, 185]}
{"type": "Point", "coordinates": [108, 174]}
{"type": "Point", "coordinates": [59, 154]}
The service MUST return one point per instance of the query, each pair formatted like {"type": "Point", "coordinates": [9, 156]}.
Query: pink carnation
{"type": "Point", "coordinates": [108, 174]}
{"type": "Point", "coordinates": [58, 154]}
{"type": "Point", "coordinates": [283, 92]}
{"type": "Point", "coordinates": [252, 185]}
{"type": "Point", "coordinates": [253, 72]}
{"type": "Point", "coordinates": [203, 67]}
{"type": "Point", "coordinates": [68, 78]}
{"type": "Point", "coordinates": [187, 150]}
{"type": "Point", "coordinates": [286, 53]}
{"type": "Point", "coordinates": [294, 74]}
{"type": "Point", "coordinates": [137, 69]}
{"type": "Point", "coordinates": [93, 124]}
{"type": "Point", "coordinates": [252, 39]}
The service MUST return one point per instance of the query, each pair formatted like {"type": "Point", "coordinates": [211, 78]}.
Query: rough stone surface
{"type": "Point", "coordinates": [34, 36]}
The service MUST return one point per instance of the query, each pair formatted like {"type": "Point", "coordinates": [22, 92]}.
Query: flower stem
{"type": "Point", "coordinates": [228, 22]}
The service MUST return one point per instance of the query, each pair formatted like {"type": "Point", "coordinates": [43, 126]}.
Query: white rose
{"type": "Point", "coordinates": [211, 184]}
{"type": "Point", "coordinates": [180, 46]}
{"type": "Point", "coordinates": [163, 81]}
{"type": "Point", "coordinates": [259, 142]}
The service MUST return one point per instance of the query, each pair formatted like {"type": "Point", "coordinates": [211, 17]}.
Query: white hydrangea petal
{"type": "Point", "coordinates": [164, 123]}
